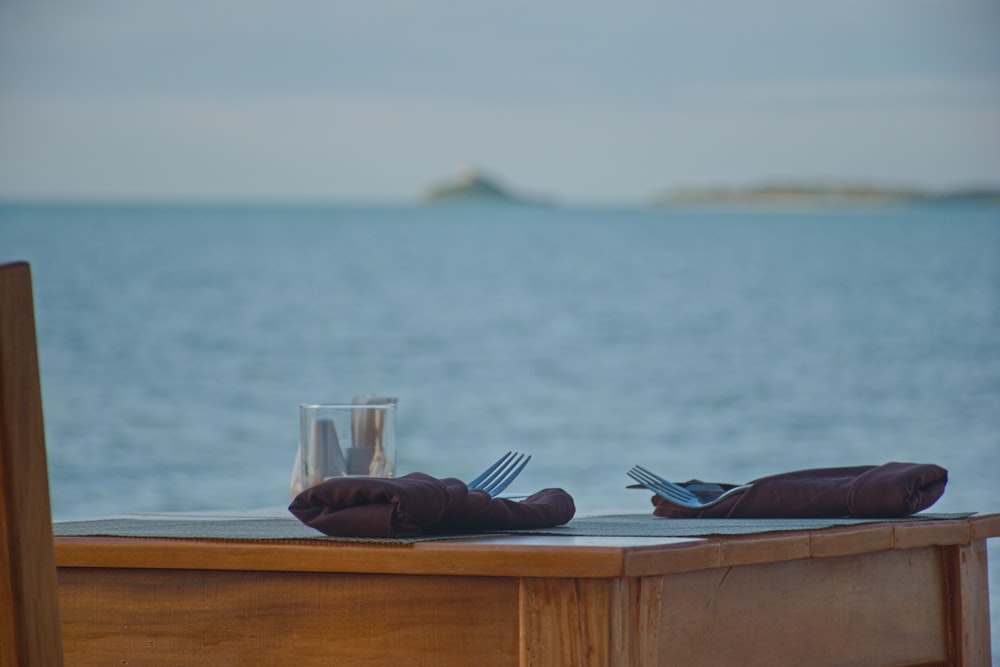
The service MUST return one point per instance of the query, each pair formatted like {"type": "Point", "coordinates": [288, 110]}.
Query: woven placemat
{"type": "Point", "coordinates": [617, 525]}
{"type": "Point", "coordinates": [647, 525]}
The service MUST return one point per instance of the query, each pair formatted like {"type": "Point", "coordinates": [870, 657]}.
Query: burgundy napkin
{"type": "Point", "coordinates": [891, 490]}
{"type": "Point", "coordinates": [418, 504]}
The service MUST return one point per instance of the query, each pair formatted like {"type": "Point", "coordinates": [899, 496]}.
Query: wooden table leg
{"type": "Point", "coordinates": [589, 622]}
{"type": "Point", "coordinates": [970, 613]}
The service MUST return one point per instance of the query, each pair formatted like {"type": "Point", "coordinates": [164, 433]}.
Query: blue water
{"type": "Point", "coordinates": [177, 342]}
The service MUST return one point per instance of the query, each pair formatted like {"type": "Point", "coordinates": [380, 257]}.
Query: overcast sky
{"type": "Point", "coordinates": [580, 100]}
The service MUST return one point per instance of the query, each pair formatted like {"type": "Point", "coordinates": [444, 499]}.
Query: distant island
{"type": "Point", "coordinates": [793, 195]}
{"type": "Point", "coordinates": [472, 186]}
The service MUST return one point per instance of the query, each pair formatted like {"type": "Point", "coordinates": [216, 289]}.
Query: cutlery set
{"type": "Point", "coordinates": [498, 477]}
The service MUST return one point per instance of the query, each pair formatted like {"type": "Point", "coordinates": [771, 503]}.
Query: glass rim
{"type": "Point", "coordinates": [353, 406]}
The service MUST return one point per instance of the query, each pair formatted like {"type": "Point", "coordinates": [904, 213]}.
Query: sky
{"type": "Point", "coordinates": [580, 101]}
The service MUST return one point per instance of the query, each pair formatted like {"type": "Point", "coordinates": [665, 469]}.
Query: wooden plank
{"type": "Point", "coordinates": [590, 622]}
{"type": "Point", "coordinates": [930, 533]}
{"type": "Point", "coordinates": [851, 540]}
{"type": "Point", "coordinates": [766, 548]}
{"type": "Point", "coordinates": [191, 617]}
{"type": "Point", "coordinates": [693, 555]}
{"type": "Point", "coordinates": [29, 603]}
{"type": "Point", "coordinates": [429, 558]}
{"type": "Point", "coordinates": [573, 622]}
{"type": "Point", "coordinates": [984, 526]}
{"type": "Point", "coordinates": [886, 608]}
{"type": "Point", "coordinates": [970, 603]}
{"type": "Point", "coordinates": [530, 556]}
{"type": "Point", "coordinates": [547, 608]}
{"type": "Point", "coordinates": [646, 613]}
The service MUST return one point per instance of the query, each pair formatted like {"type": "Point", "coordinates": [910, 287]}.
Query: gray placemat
{"type": "Point", "coordinates": [618, 525]}
{"type": "Point", "coordinates": [271, 529]}
{"type": "Point", "coordinates": [647, 525]}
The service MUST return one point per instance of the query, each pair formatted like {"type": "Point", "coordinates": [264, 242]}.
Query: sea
{"type": "Point", "coordinates": [176, 343]}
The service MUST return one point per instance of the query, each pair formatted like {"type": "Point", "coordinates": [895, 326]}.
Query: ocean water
{"type": "Point", "coordinates": [177, 342]}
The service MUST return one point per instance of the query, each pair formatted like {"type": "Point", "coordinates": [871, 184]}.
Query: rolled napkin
{"type": "Point", "coordinates": [418, 504]}
{"type": "Point", "coordinates": [891, 490]}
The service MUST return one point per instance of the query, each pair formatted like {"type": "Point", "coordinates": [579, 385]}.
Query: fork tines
{"type": "Point", "coordinates": [498, 476]}
{"type": "Point", "coordinates": [658, 485]}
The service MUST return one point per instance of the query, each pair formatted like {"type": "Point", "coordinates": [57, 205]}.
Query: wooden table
{"type": "Point", "coordinates": [877, 594]}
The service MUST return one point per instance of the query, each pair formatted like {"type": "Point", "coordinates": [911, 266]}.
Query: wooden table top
{"type": "Point", "coordinates": [519, 555]}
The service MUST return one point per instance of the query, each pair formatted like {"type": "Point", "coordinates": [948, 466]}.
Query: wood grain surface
{"type": "Point", "coordinates": [29, 602]}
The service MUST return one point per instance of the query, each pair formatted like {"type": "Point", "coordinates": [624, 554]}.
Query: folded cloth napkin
{"type": "Point", "coordinates": [891, 490]}
{"type": "Point", "coordinates": [418, 504]}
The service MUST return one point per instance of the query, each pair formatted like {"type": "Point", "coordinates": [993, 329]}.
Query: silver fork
{"type": "Point", "coordinates": [676, 493]}
{"type": "Point", "coordinates": [498, 476]}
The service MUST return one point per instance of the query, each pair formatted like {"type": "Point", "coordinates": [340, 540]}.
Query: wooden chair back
{"type": "Point", "coordinates": [30, 631]}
